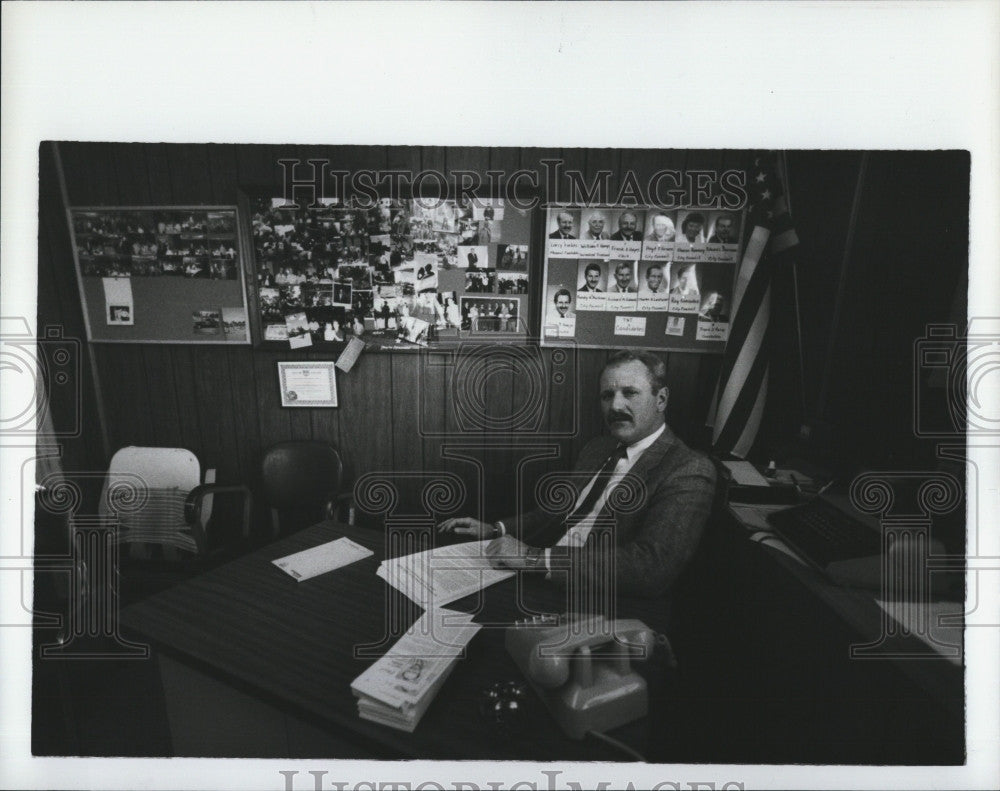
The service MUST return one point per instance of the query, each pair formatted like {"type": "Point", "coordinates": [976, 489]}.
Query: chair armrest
{"type": "Point", "coordinates": [192, 505]}
{"type": "Point", "coordinates": [336, 501]}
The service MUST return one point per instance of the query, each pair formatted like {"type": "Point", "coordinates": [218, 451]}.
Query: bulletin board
{"type": "Point", "coordinates": [167, 274]}
{"type": "Point", "coordinates": [639, 277]}
{"type": "Point", "coordinates": [400, 273]}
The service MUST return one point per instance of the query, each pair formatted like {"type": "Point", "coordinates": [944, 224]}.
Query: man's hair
{"type": "Point", "coordinates": [695, 217]}
{"type": "Point", "coordinates": [593, 267]}
{"type": "Point", "coordinates": [624, 265]}
{"type": "Point", "coordinates": [725, 217]}
{"type": "Point", "coordinates": [655, 367]}
{"type": "Point", "coordinates": [625, 214]}
{"type": "Point", "coordinates": [651, 267]}
{"type": "Point", "coordinates": [562, 292]}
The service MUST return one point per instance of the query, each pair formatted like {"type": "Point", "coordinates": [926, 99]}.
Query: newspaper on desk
{"type": "Point", "coordinates": [439, 576]}
{"type": "Point", "coordinates": [399, 687]}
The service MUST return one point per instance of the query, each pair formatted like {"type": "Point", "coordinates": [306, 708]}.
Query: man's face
{"type": "Point", "coordinates": [724, 228]}
{"type": "Point", "coordinates": [627, 223]}
{"type": "Point", "coordinates": [562, 304]}
{"type": "Point", "coordinates": [692, 228]}
{"type": "Point", "coordinates": [623, 275]}
{"type": "Point", "coordinates": [566, 223]}
{"type": "Point", "coordinates": [593, 277]}
{"type": "Point", "coordinates": [630, 408]}
{"type": "Point", "coordinates": [596, 224]}
{"type": "Point", "coordinates": [684, 280]}
{"type": "Point", "coordinates": [654, 277]}
{"type": "Point", "coordinates": [661, 226]}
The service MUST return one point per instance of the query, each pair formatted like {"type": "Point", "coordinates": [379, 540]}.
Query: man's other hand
{"type": "Point", "coordinates": [467, 526]}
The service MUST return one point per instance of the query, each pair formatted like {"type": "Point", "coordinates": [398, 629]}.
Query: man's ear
{"type": "Point", "coordinates": [661, 399]}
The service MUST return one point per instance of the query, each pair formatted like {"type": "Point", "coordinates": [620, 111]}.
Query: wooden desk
{"type": "Point", "coordinates": [287, 648]}
{"type": "Point", "coordinates": [938, 669]}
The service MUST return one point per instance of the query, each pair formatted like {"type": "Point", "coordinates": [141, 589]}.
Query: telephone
{"type": "Point", "coordinates": [581, 668]}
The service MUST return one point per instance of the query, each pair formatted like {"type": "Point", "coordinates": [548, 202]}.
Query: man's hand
{"type": "Point", "coordinates": [467, 526]}
{"type": "Point", "coordinates": [508, 552]}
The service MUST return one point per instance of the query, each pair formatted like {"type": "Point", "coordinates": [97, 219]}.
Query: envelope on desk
{"type": "Point", "coordinates": [326, 557]}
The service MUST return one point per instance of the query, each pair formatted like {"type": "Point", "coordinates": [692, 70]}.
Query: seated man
{"type": "Point", "coordinates": [652, 541]}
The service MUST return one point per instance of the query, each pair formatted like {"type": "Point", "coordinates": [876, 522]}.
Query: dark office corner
{"type": "Point", "coordinates": [764, 677]}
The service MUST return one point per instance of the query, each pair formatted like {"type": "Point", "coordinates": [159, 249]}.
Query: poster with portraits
{"type": "Point", "coordinates": [405, 272]}
{"type": "Point", "coordinates": [639, 276]}
{"type": "Point", "coordinates": [164, 274]}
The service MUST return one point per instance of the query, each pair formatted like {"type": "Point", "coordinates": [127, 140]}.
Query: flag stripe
{"type": "Point", "coordinates": [755, 249]}
{"type": "Point", "coordinates": [743, 323]}
{"type": "Point", "coordinates": [729, 427]}
{"type": "Point", "coordinates": [748, 352]}
{"type": "Point", "coordinates": [745, 442]}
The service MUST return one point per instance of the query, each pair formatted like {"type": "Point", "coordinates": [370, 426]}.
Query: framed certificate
{"type": "Point", "coordinates": [308, 384]}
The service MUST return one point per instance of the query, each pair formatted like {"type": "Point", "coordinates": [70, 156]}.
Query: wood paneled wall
{"type": "Point", "coordinates": [222, 402]}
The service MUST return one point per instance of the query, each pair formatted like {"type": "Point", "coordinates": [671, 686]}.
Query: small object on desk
{"type": "Point", "coordinates": [771, 470]}
{"type": "Point", "coordinates": [745, 474]}
{"type": "Point", "coordinates": [504, 706]}
{"type": "Point", "coordinates": [795, 478]}
{"type": "Point", "coordinates": [318, 560]}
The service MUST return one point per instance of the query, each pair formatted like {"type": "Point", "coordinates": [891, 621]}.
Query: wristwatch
{"type": "Point", "coordinates": [533, 557]}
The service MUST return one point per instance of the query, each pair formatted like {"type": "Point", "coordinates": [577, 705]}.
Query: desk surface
{"type": "Point", "coordinates": [292, 643]}
{"type": "Point", "coordinates": [933, 659]}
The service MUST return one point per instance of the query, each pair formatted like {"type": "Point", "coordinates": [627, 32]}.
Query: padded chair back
{"type": "Point", "coordinates": [161, 478]}
{"type": "Point", "coordinates": [302, 477]}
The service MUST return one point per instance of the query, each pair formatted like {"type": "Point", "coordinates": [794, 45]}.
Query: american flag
{"type": "Point", "coordinates": [742, 389]}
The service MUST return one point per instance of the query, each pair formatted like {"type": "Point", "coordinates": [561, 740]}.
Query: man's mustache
{"type": "Point", "coordinates": [616, 416]}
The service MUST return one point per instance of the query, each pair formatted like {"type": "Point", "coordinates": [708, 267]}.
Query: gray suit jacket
{"type": "Point", "coordinates": [654, 536]}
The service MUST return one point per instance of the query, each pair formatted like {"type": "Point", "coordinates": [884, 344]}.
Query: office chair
{"type": "Point", "coordinates": [301, 481]}
{"type": "Point", "coordinates": [163, 510]}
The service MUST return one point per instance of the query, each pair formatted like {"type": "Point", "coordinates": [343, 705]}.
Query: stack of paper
{"type": "Point", "coordinates": [439, 576]}
{"type": "Point", "coordinates": [398, 688]}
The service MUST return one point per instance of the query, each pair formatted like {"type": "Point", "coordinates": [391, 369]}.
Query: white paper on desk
{"type": "Point", "coordinates": [326, 557]}
{"type": "Point", "coordinates": [439, 576]}
{"type": "Point", "coordinates": [745, 474]}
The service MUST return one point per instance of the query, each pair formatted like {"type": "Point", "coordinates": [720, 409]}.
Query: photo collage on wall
{"type": "Point", "coordinates": [406, 271]}
{"type": "Point", "coordinates": [639, 275]}
{"type": "Point", "coordinates": [187, 243]}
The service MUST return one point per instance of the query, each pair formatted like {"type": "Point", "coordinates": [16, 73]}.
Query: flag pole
{"type": "Point", "coordinates": [795, 291]}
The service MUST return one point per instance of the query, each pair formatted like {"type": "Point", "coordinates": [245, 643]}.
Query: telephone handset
{"type": "Point", "coordinates": [581, 667]}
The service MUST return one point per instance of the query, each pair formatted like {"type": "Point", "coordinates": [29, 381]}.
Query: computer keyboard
{"type": "Point", "coordinates": [824, 534]}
